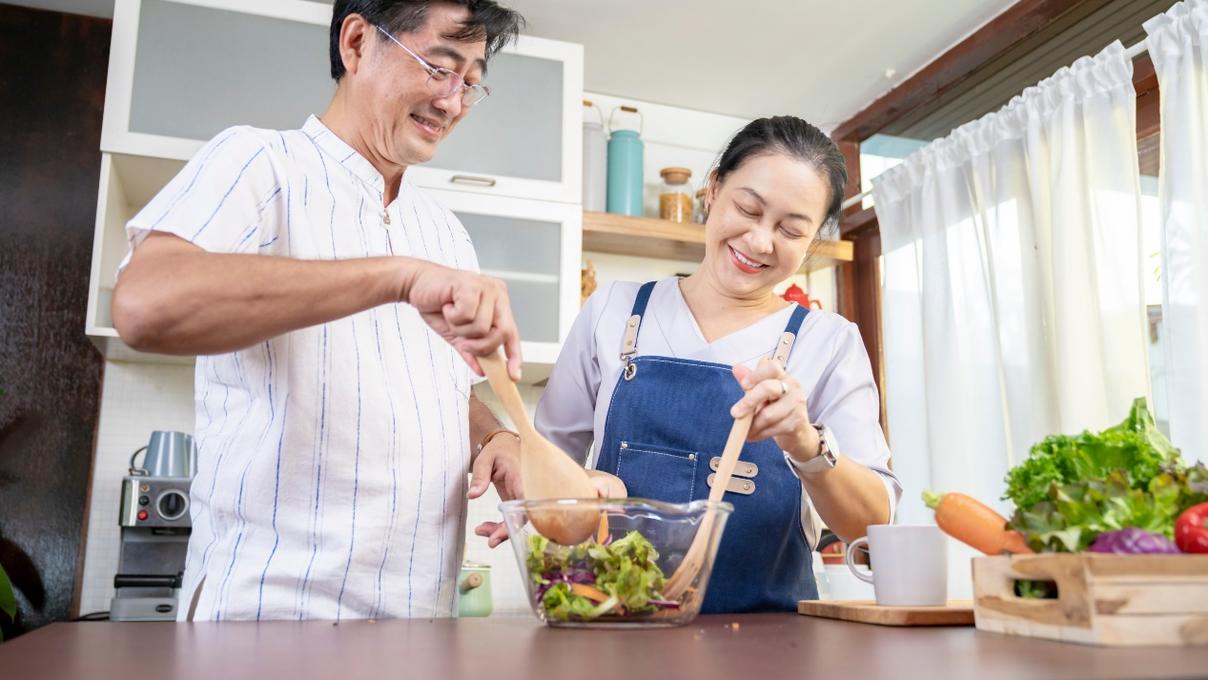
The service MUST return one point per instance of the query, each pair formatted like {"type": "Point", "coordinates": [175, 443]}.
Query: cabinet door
{"type": "Point", "coordinates": [179, 72]}
{"type": "Point", "coordinates": [534, 247]}
{"type": "Point", "coordinates": [524, 140]}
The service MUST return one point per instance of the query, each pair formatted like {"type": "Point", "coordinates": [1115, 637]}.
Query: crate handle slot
{"type": "Point", "coordinates": [1069, 608]}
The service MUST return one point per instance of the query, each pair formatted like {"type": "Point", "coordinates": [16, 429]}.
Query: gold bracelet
{"type": "Point", "coordinates": [491, 435]}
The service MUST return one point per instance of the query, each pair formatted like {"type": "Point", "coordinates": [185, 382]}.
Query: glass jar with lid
{"type": "Point", "coordinates": [675, 195]}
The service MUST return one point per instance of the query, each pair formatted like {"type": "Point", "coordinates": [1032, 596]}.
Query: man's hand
{"type": "Point", "coordinates": [607, 486]}
{"type": "Point", "coordinates": [498, 463]}
{"type": "Point", "coordinates": [470, 311]}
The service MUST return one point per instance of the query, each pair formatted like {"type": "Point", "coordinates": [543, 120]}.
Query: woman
{"type": "Point", "coordinates": [652, 376]}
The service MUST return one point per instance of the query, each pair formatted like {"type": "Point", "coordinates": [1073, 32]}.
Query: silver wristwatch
{"type": "Point", "coordinates": [827, 458]}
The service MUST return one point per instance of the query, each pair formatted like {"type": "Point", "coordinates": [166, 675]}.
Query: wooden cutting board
{"type": "Point", "coordinates": [956, 613]}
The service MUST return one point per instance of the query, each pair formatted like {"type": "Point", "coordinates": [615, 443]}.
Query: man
{"type": "Point", "coordinates": [337, 313]}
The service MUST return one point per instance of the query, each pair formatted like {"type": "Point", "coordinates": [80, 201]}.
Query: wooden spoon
{"type": "Point", "coordinates": [545, 470]}
{"type": "Point", "coordinates": [694, 559]}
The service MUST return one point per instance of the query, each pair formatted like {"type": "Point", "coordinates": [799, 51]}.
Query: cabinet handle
{"type": "Point", "coordinates": [473, 179]}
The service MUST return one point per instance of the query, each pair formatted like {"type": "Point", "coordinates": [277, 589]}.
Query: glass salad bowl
{"type": "Point", "coordinates": [615, 579]}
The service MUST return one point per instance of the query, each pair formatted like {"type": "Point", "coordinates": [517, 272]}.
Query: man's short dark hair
{"type": "Point", "coordinates": [488, 22]}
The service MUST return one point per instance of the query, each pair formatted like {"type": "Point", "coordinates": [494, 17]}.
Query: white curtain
{"type": "Point", "coordinates": [1178, 46]}
{"type": "Point", "coordinates": [1012, 295]}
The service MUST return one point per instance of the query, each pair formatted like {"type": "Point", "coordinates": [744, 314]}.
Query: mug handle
{"type": "Point", "coordinates": [137, 471]}
{"type": "Point", "coordinates": [865, 576]}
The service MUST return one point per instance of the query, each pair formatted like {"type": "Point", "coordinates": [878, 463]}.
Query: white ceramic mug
{"type": "Point", "coordinates": [909, 564]}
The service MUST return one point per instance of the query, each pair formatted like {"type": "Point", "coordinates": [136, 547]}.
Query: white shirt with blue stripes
{"type": "Point", "coordinates": [332, 459]}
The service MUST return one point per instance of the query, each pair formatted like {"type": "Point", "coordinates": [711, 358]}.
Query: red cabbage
{"type": "Point", "coordinates": [1132, 541]}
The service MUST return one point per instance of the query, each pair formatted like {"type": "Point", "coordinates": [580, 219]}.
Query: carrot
{"type": "Point", "coordinates": [590, 592]}
{"type": "Point", "coordinates": [970, 521]}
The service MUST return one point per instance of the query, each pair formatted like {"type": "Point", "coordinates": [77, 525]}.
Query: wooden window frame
{"type": "Point", "coordinates": [858, 283]}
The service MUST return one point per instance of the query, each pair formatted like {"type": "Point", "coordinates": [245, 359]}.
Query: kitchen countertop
{"type": "Point", "coordinates": [739, 647]}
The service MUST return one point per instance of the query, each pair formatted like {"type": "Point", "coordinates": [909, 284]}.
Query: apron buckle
{"type": "Point", "coordinates": [737, 485]}
{"type": "Point", "coordinates": [631, 369]}
{"type": "Point", "coordinates": [741, 469]}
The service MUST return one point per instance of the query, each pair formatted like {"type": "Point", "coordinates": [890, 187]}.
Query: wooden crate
{"type": "Point", "coordinates": [1113, 600]}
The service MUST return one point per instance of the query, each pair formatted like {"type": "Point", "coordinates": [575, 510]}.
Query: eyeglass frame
{"type": "Point", "coordinates": [435, 71]}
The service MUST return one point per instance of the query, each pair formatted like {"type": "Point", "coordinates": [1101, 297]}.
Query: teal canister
{"type": "Point", "coordinates": [625, 163]}
{"type": "Point", "coordinates": [474, 590]}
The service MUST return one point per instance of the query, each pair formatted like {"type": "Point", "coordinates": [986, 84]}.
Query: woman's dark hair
{"type": "Point", "coordinates": [488, 22]}
{"type": "Point", "coordinates": [793, 137]}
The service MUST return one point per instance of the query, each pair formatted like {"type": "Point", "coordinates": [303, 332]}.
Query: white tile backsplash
{"type": "Point", "coordinates": [135, 400]}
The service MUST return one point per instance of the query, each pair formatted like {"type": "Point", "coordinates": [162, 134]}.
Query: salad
{"type": "Point", "coordinates": [591, 580]}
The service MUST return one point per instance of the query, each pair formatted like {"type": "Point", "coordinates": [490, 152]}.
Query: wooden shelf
{"type": "Point", "coordinates": [114, 349]}
{"type": "Point", "coordinates": [649, 237]}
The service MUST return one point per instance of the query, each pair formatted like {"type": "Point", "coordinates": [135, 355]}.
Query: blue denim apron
{"type": "Point", "coordinates": [668, 419]}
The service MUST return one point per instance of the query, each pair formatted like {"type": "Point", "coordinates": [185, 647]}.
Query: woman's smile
{"type": "Point", "coordinates": [745, 264]}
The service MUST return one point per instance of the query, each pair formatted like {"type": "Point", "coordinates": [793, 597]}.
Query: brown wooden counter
{"type": "Point", "coordinates": [774, 646]}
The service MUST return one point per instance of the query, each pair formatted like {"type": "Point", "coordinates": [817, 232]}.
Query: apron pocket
{"type": "Point", "coordinates": [657, 472]}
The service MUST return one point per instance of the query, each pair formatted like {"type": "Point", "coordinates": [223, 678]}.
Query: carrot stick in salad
{"type": "Point", "coordinates": [970, 521]}
{"type": "Point", "coordinates": [590, 592]}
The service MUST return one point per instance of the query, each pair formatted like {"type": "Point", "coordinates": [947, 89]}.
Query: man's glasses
{"type": "Point", "coordinates": [444, 82]}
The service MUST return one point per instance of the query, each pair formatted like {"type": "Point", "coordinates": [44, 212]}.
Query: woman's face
{"type": "Point", "coordinates": [762, 218]}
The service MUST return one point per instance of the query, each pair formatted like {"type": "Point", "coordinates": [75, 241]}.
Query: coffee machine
{"type": "Point", "coordinates": [154, 517]}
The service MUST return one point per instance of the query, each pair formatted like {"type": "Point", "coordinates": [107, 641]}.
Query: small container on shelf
{"type": "Point", "coordinates": [699, 213]}
{"type": "Point", "coordinates": [675, 195]}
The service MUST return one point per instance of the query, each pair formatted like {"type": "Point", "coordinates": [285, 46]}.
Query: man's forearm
{"type": "Point", "coordinates": [178, 299]}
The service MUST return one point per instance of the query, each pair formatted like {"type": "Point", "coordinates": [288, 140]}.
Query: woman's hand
{"type": "Point", "coordinates": [608, 486]}
{"type": "Point", "coordinates": [779, 406]}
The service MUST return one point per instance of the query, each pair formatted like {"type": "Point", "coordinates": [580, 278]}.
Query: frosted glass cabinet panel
{"type": "Point", "coordinates": [525, 140]}
{"type": "Point", "coordinates": [199, 70]}
{"type": "Point", "coordinates": [180, 71]}
{"type": "Point", "coordinates": [535, 248]}
{"type": "Point", "coordinates": [517, 131]}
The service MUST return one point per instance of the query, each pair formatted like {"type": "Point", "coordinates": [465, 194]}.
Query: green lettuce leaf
{"type": "Point", "coordinates": [1073, 488]}
{"type": "Point", "coordinates": [626, 570]}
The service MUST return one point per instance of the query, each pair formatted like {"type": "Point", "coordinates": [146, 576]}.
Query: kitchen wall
{"type": "Point", "coordinates": [49, 372]}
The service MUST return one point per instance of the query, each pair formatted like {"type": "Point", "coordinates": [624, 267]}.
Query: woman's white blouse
{"type": "Point", "coordinates": [828, 360]}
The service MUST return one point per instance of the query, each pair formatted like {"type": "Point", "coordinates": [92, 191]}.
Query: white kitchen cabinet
{"type": "Point", "coordinates": [525, 140]}
{"type": "Point", "coordinates": [180, 71]}
{"type": "Point", "coordinates": [127, 184]}
{"type": "Point", "coordinates": [534, 247]}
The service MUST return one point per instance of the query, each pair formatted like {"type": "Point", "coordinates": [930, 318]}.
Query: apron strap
{"type": "Point", "coordinates": [785, 346]}
{"type": "Point", "coordinates": [629, 344]}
